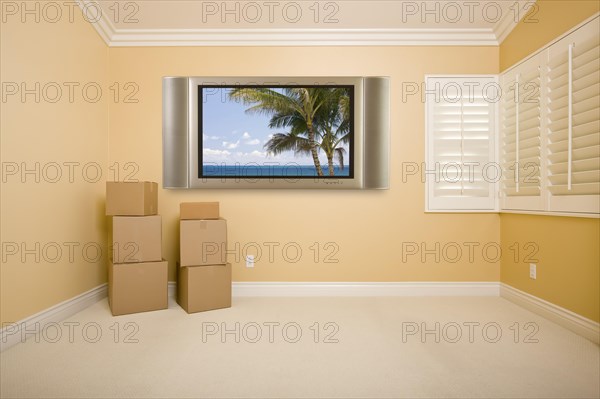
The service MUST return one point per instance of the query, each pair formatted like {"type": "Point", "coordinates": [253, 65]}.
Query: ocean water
{"type": "Point", "coordinates": [256, 170]}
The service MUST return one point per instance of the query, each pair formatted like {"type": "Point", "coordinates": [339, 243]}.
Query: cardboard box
{"type": "Point", "coordinates": [137, 287]}
{"type": "Point", "coordinates": [136, 239]}
{"type": "Point", "coordinates": [203, 242]}
{"type": "Point", "coordinates": [131, 199]}
{"type": "Point", "coordinates": [202, 288]}
{"type": "Point", "coordinates": [198, 210]}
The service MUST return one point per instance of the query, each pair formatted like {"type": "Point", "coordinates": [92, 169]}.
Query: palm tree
{"type": "Point", "coordinates": [295, 108]}
{"type": "Point", "coordinates": [333, 124]}
{"type": "Point", "coordinates": [318, 118]}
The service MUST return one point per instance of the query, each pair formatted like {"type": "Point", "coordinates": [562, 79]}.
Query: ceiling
{"type": "Point", "coordinates": [304, 22]}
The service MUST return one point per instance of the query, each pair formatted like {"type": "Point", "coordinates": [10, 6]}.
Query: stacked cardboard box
{"type": "Point", "coordinates": [137, 274]}
{"type": "Point", "coordinates": [204, 276]}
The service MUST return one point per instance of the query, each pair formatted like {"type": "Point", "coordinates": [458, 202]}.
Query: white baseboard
{"type": "Point", "coordinates": [570, 320]}
{"type": "Point", "coordinates": [172, 289]}
{"type": "Point", "coordinates": [13, 333]}
{"type": "Point", "coordinates": [298, 289]}
{"type": "Point", "coordinates": [274, 289]}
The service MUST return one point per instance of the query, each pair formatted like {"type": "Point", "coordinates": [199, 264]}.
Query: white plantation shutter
{"type": "Point", "coordinates": [557, 128]}
{"type": "Point", "coordinates": [521, 141]}
{"type": "Point", "coordinates": [460, 143]}
{"type": "Point", "coordinates": [573, 115]}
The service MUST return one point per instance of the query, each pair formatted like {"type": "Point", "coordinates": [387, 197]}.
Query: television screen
{"type": "Point", "coordinates": [291, 132]}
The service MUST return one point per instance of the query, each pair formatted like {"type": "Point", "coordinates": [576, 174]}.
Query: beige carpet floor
{"type": "Point", "coordinates": [307, 348]}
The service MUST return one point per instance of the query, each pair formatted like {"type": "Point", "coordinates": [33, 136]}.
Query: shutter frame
{"type": "Point", "coordinates": [473, 141]}
{"type": "Point", "coordinates": [573, 139]}
{"type": "Point", "coordinates": [521, 132]}
{"type": "Point", "coordinates": [569, 134]}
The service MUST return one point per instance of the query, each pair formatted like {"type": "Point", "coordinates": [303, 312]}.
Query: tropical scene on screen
{"type": "Point", "coordinates": [276, 131]}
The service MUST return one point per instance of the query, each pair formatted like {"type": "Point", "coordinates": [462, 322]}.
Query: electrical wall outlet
{"type": "Point", "coordinates": [249, 260]}
{"type": "Point", "coordinates": [533, 271]}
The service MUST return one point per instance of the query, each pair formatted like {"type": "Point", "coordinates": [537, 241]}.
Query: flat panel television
{"type": "Point", "coordinates": [232, 132]}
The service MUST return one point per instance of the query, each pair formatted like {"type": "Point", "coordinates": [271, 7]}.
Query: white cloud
{"type": "Point", "coordinates": [209, 151]}
{"type": "Point", "coordinates": [230, 146]}
{"type": "Point", "coordinates": [256, 157]}
{"type": "Point", "coordinates": [247, 137]}
{"type": "Point", "coordinates": [206, 137]}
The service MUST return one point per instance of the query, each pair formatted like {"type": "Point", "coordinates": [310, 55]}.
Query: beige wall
{"type": "Point", "coordinates": [568, 269]}
{"type": "Point", "coordinates": [367, 226]}
{"type": "Point", "coordinates": [49, 134]}
{"type": "Point", "coordinates": [567, 255]}
{"type": "Point", "coordinates": [548, 20]}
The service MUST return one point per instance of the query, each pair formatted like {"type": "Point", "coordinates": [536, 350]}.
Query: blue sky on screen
{"type": "Point", "coordinates": [231, 135]}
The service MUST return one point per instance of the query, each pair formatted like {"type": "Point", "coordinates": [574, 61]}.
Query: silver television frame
{"type": "Point", "coordinates": [181, 144]}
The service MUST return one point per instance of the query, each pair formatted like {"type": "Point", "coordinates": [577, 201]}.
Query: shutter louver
{"type": "Point", "coordinates": [573, 92]}
{"type": "Point", "coordinates": [550, 139]}
{"type": "Point", "coordinates": [460, 142]}
{"type": "Point", "coordinates": [521, 149]}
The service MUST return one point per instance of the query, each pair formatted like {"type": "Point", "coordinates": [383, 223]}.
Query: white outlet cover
{"type": "Point", "coordinates": [249, 260]}
{"type": "Point", "coordinates": [533, 271]}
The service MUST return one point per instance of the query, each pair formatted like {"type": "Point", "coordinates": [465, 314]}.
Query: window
{"type": "Point", "coordinates": [520, 134]}
{"type": "Point", "coordinates": [573, 115]}
{"type": "Point", "coordinates": [550, 128]}
{"type": "Point", "coordinates": [460, 147]}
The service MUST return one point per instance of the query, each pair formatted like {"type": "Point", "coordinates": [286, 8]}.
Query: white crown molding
{"type": "Point", "coordinates": [103, 26]}
{"type": "Point", "coordinates": [302, 37]}
{"type": "Point", "coordinates": [578, 324]}
{"type": "Point", "coordinates": [506, 25]}
{"type": "Point", "coordinates": [114, 37]}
